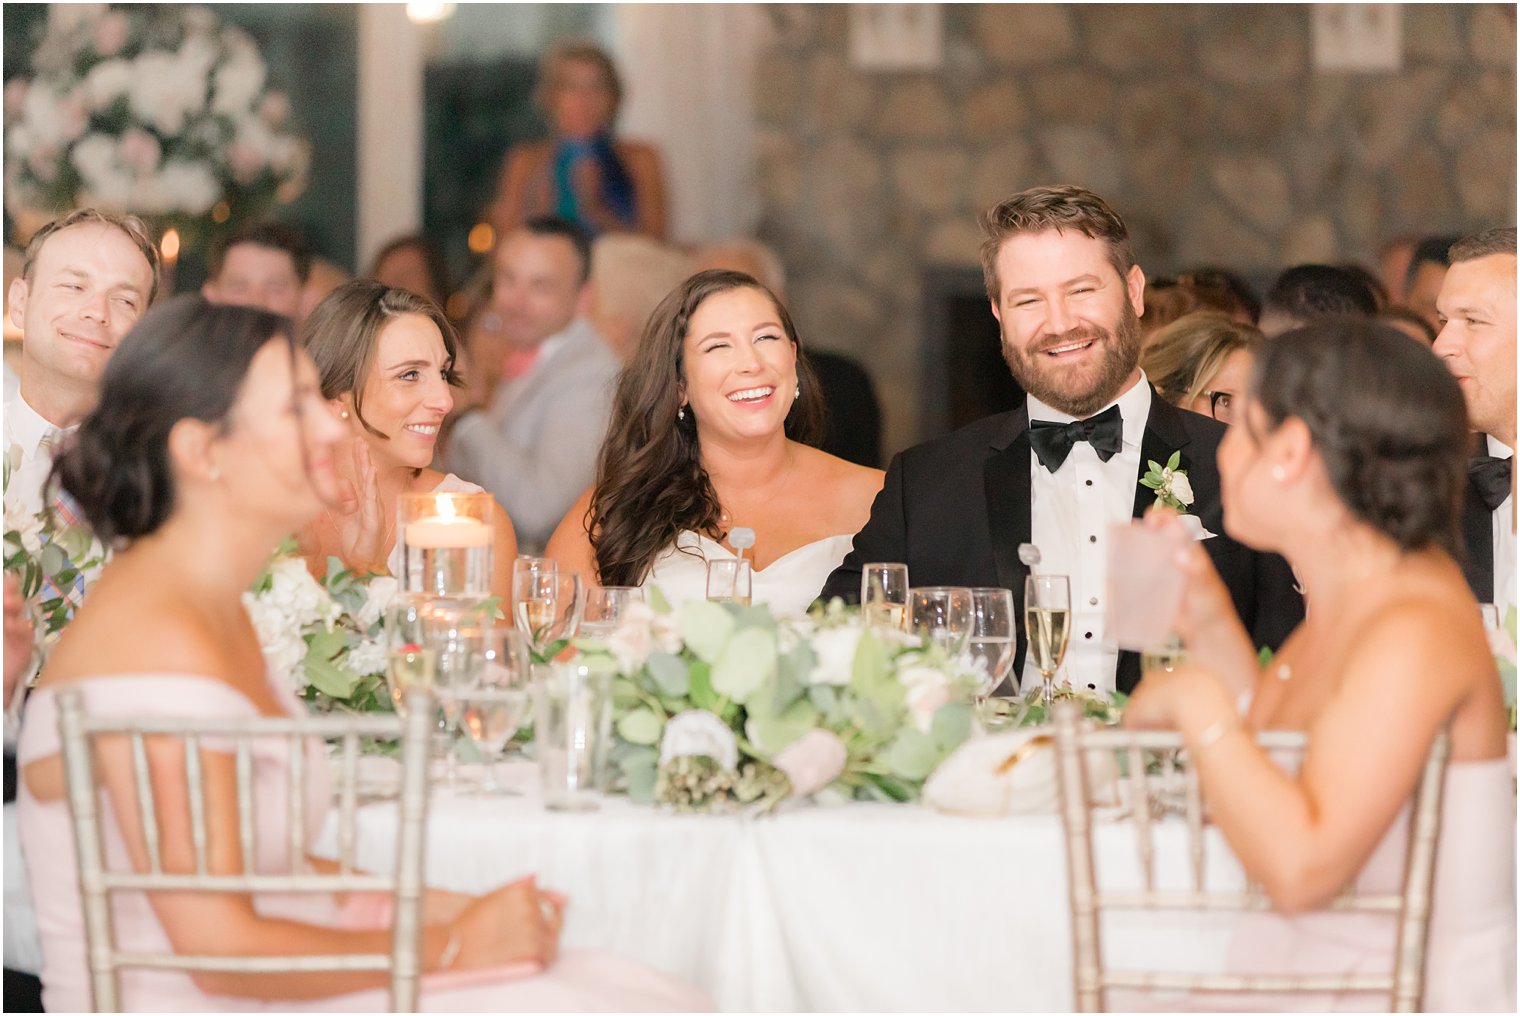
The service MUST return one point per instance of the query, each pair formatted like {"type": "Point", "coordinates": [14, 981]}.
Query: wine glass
{"type": "Point", "coordinates": [411, 660]}
{"type": "Point", "coordinates": [992, 635]}
{"type": "Point", "coordinates": [941, 616]}
{"type": "Point", "coordinates": [729, 580]}
{"type": "Point", "coordinates": [605, 607]}
{"type": "Point", "coordinates": [1047, 625]}
{"type": "Point", "coordinates": [546, 603]}
{"type": "Point", "coordinates": [496, 701]}
{"type": "Point", "coordinates": [453, 632]}
{"type": "Point", "coordinates": [884, 595]}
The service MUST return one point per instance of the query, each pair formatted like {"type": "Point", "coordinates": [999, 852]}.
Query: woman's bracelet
{"type": "Point", "coordinates": [450, 950]}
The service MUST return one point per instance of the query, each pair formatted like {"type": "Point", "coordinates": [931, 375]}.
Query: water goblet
{"type": "Point", "coordinates": [605, 607]}
{"type": "Point", "coordinates": [884, 595]}
{"type": "Point", "coordinates": [941, 616]}
{"type": "Point", "coordinates": [454, 635]}
{"type": "Point", "coordinates": [1047, 626]}
{"type": "Point", "coordinates": [497, 701]}
{"type": "Point", "coordinates": [729, 580]}
{"type": "Point", "coordinates": [411, 661]}
{"type": "Point", "coordinates": [991, 642]}
{"type": "Point", "coordinates": [547, 604]}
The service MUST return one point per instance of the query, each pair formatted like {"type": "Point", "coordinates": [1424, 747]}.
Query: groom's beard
{"type": "Point", "coordinates": [1083, 389]}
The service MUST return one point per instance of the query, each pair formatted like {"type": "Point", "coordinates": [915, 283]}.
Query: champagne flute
{"type": "Point", "coordinates": [605, 607]}
{"type": "Point", "coordinates": [884, 595]}
{"type": "Point", "coordinates": [453, 634]}
{"type": "Point", "coordinates": [547, 604]}
{"type": "Point", "coordinates": [941, 616]}
{"type": "Point", "coordinates": [1047, 624]}
{"type": "Point", "coordinates": [411, 661]}
{"type": "Point", "coordinates": [729, 580]}
{"type": "Point", "coordinates": [496, 702]}
{"type": "Point", "coordinates": [992, 635]}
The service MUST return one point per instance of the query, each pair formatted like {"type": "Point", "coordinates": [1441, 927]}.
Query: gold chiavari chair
{"type": "Point", "coordinates": [1158, 785]}
{"type": "Point", "coordinates": [107, 957]}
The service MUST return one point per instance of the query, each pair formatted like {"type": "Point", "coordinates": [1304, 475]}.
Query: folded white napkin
{"type": "Point", "coordinates": [1012, 773]}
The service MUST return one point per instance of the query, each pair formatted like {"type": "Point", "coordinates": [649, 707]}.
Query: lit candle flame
{"type": "Point", "coordinates": [169, 245]}
{"type": "Point", "coordinates": [445, 506]}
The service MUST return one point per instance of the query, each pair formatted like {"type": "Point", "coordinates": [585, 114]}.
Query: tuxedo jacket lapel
{"type": "Point", "coordinates": [1006, 484]}
{"type": "Point", "coordinates": [1163, 435]}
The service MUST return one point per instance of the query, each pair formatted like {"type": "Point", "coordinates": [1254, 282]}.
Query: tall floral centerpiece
{"type": "Point", "coordinates": [161, 111]}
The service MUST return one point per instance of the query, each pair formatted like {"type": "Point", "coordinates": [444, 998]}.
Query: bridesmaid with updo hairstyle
{"type": "Point", "coordinates": [211, 442]}
{"type": "Point", "coordinates": [1348, 457]}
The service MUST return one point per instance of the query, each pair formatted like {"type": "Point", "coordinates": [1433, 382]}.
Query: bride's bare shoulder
{"type": "Point", "coordinates": [850, 488]}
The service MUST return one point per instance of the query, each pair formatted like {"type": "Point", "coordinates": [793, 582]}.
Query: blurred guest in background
{"type": "Point", "coordinates": [414, 263]}
{"type": "Point", "coordinates": [539, 381]}
{"type": "Point", "coordinates": [1201, 362]}
{"type": "Point", "coordinates": [386, 362]}
{"type": "Point", "coordinates": [1477, 341]}
{"type": "Point", "coordinates": [1408, 322]}
{"type": "Point", "coordinates": [712, 429]}
{"type": "Point", "coordinates": [1427, 270]}
{"type": "Point", "coordinates": [582, 173]}
{"type": "Point", "coordinates": [1393, 267]}
{"type": "Point", "coordinates": [630, 275]}
{"type": "Point", "coordinates": [262, 265]}
{"type": "Point", "coordinates": [853, 427]}
{"type": "Point", "coordinates": [1304, 293]}
{"type": "Point", "coordinates": [1368, 276]}
{"type": "Point", "coordinates": [1223, 290]}
{"type": "Point", "coordinates": [323, 278]}
{"type": "Point", "coordinates": [1166, 300]}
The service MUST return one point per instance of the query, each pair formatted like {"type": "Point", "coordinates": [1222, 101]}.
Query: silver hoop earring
{"type": "Point", "coordinates": [681, 413]}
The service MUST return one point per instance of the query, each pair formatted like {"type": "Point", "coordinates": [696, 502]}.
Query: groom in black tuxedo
{"type": "Point", "coordinates": [1067, 294]}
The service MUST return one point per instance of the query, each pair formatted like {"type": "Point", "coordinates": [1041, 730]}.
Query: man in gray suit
{"type": "Point", "coordinates": [540, 382]}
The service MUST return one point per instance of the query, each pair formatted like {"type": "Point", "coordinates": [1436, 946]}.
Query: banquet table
{"type": "Point", "coordinates": [846, 907]}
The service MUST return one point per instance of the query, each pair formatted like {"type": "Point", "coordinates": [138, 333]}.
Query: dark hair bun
{"type": "Point", "coordinates": [185, 358]}
{"type": "Point", "coordinates": [1387, 418]}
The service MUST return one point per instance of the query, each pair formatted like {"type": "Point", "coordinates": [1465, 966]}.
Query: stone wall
{"type": "Point", "coordinates": [1204, 125]}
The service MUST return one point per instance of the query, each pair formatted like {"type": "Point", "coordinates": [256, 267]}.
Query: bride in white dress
{"type": "Point", "coordinates": [711, 430]}
{"type": "Point", "coordinates": [387, 362]}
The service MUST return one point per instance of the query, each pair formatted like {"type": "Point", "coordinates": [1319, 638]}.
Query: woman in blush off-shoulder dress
{"type": "Point", "coordinates": [1348, 457]}
{"type": "Point", "coordinates": [712, 429]}
{"type": "Point", "coordinates": [211, 441]}
{"type": "Point", "coordinates": [386, 359]}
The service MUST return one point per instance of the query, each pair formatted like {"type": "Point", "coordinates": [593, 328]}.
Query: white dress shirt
{"type": "Point", "coordinates": [1070, 512]}
{"type": "Point", "coordinates": [1504, 539]}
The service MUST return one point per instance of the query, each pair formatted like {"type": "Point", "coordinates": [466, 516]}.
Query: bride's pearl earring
{"type": "Point", "coordinates": [216, 473]}
{"type": "Point", "coordinates": [343, 415]}
{"type": "Point", "coordinates": [1279, 473]}
{"type": "Point", "coordinates": [681, 413]}
{"type": "Point", "coordinates": [798, 393]}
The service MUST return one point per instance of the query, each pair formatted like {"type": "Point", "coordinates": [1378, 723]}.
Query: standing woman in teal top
{"type": "Point", "coordinates": [581, 172]}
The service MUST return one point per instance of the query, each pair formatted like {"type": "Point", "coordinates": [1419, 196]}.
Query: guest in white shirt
{"type": "Point", "coordinates": [538, 382]}
{"type": "Point", "coordinates": [1058, 471]}
{"type": "Point", "coordinates": [86, 279]}
{"type": "Point", "coordinates": [1477, 342]}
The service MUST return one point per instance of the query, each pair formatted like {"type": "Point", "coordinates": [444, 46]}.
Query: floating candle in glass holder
{"type": "Point", "coordinates": [446, 544]}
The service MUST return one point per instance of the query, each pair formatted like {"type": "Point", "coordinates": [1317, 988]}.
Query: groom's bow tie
{"type": "Point", "coordinates": [1491, 477]}
{"type": "Point", "coordinates": [1052, 441]}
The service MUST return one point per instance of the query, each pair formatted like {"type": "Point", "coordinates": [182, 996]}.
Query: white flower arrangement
{"type": "Point", "coordinates": [1170, 482]}
{"type": "Point", "coordinates": [158, 111]}
{"type": "Point", "coordinates": [325, 638]}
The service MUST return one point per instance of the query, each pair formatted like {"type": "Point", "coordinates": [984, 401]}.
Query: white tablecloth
{"type": "Point", "coordinates": [853, 907]}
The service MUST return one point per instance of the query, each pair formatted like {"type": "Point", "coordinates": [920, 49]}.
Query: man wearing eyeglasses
{"type": "Point", "coordinates": [1062, 468]}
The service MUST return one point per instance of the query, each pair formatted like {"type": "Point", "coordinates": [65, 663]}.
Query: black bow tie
{"type": "Point", "coordinates": [1052, 441]}
{"type": "Point", "coordinates": [1491, 477]}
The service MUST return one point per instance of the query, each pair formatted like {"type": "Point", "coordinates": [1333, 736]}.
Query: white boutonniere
{"type": "Point", "coordinates": [1170, 483]}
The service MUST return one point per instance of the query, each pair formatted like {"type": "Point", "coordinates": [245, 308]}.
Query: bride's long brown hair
{"type": "Point", "coordinates": [650, 482]}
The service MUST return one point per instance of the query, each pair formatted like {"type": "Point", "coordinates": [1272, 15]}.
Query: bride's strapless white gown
{"type": "Point", "coordinates": [788, 585]}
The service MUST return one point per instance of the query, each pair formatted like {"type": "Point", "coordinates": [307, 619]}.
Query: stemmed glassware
{"type": "Point", "coordinates": [941, 615]}
{"type": "Point", "coordinates": [605, 607]}
{"type": "Point", "coordinates": [546, 602]}
{"type": "Point", "coordinates": [884, 595]}
{"type": "Point", "coordinates": [992, 634]}
{"type": "Point", "coordinates": [1047, 624]}
{"type": "Point", "coordinates": [411, 660]}
{"type": "Point", "coordinates": [496, 701]}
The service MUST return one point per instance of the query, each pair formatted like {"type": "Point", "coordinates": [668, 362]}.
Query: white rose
{"type": "Point", "coordinates": [697, 732]}
{"type": "Point", "coordinates": [835, 652]}
{"type": "Point", "coordinates": [377, 596]}
{"type": "Point", "coordinates": [667, 633]}
{"type": "Point", "coordinates": [302, 597]}
{"type": "Point", "coordinates": [813, 761]}
{"type": "Point", "coordinates": [368, 657]}
{"type": "Point", "coordinates": [195, 186]}
{"type": "Point", "coordinates": [631, 642]}
{"type": "Point", "coordinates": [1181, 487]}
{"type": "Point", "coordinates": [107, 82]}
{"type": "Point", "coordinates": [928, 689]}
{"type": "Point", "coordinates": [238, 83]}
